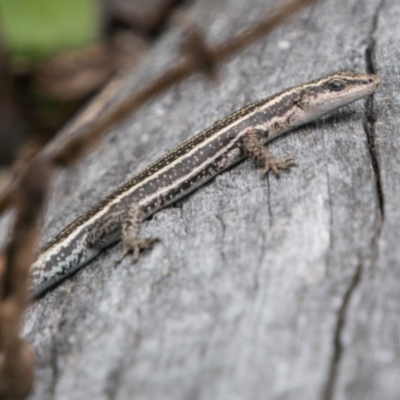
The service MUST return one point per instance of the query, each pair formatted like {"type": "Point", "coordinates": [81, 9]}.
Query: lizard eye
{"type": "Point", "coordinates": [336, 85]}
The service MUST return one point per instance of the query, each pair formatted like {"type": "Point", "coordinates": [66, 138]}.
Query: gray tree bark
{"type": "Point", "coordinates": [259, 288]}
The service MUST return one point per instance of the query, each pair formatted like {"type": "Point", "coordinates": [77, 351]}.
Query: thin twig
{"type": "Point", "coordinates": [17, 362]}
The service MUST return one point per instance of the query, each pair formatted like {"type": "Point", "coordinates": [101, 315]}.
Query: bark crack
{"type": "Point", "coordinates": [54, 368]}
{"type": "Point", "coordinates": [223, 229]}
{"type": "Point", "coordinates": [369, 128]}
{"type": "Point", "coordinates": [328, 180]}
{"type": "Point", "coordinates": [269, 208]}
{"type": "Point", "coordinates": [337, 340]}
{"type": "Point", "coordinates": [370, 113]}
{"type": "Point", "coordinates": [55, 354]}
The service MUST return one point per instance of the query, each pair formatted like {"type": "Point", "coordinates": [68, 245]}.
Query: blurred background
{"type": "Point", "coordinates": [55, 55]}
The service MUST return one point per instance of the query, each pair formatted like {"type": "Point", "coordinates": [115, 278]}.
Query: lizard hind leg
{"type": "Point", "coordinates": [130, 228]}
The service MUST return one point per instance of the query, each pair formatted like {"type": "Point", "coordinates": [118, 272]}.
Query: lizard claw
{"type": "Point", "coordinates": [134, 247]}
{"type": "Point", "coordinates": [275, 164]}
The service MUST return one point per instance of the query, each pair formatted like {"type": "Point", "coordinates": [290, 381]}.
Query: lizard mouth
{"type": "Point", "coordinates": [374, 79]}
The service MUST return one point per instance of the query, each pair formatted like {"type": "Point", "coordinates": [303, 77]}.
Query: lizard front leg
{"type": "Point", "coordinates": [255, 149]}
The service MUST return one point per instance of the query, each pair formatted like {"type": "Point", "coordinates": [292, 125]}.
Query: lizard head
{"type": "Point", "coordinates": [326, 94]}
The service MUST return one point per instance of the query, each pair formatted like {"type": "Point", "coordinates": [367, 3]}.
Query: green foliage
{"type": "Point", "coordinates": [32, 29]}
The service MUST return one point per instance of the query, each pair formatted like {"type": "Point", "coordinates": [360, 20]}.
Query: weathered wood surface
{"type": "Point", "coordinates": [259, 289]}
